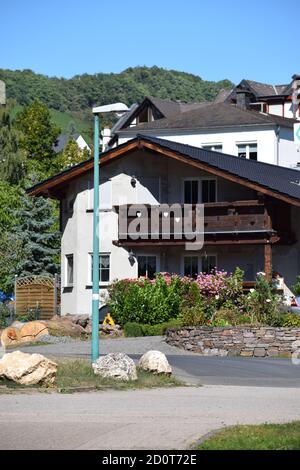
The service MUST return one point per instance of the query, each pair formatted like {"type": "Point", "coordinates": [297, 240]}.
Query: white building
{"type": "Point", "coordinates": [223, 127]}
{"type": "Point", "coordinates": [251, 210]}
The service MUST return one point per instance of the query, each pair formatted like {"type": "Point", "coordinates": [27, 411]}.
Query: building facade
{"type": "Point", "coordinates": [251, 213]}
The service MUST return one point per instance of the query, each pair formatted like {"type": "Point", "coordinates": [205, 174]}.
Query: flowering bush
{"type": "Point", "coordinates": [221, 285]}
{"type": "Point", "coordinates": [147, 301]}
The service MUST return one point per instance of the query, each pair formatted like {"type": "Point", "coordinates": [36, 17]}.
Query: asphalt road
{"type": "Point", "coordinates": [193, 368]}
{"type": "Point", "coordinates": [138, 419]}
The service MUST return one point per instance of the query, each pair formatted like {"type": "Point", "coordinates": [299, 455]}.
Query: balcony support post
{"type": "Point", "coordinates": [268, 261]}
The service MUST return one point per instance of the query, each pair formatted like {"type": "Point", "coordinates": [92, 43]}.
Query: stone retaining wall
{"type": "Point", "coordinates": [242, 341]}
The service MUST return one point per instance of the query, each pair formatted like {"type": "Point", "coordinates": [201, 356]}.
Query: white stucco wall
{"type": "Point", "coordinates": [289, 152]}
{"type": "Point", "coordinates": [229, 138]}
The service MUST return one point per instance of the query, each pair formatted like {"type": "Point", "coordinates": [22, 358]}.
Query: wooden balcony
{"type": "Point", "coordinates": [239, 222]}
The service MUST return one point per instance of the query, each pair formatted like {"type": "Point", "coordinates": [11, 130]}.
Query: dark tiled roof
{"type": "Point", "coordinates": [280, 179]}
{"type": "Point", "coordinates": [215, 115]}
{"type": "Point", "coordinates": [61, 142]}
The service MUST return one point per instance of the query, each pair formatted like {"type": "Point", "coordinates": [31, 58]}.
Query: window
{"type": "Point", "coordinates": [208, 191]}
{"type": "Point", "coordinates": [104, 267]}
{"type": "Point", "coordinates": [209, 263]}
{"type": "Point", "coordinates": [147, 266]}
{"type": "Point", "coordinates": [191, 266]}
{"type": "Point", "coordinates": [191, 191]}
{"type": "Point", "coordinates": [247, 151]}
{"type": "Point", "coordinates": [69, 270]}
{"type": "Point", "coordinates": [214, 147]}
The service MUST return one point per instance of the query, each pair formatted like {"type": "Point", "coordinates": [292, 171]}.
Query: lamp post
{"type": "Point", "coordinates": [111, 108]}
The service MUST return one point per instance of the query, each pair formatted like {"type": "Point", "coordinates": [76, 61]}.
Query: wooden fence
{"type": "Point", "coordinates": [39, 294]}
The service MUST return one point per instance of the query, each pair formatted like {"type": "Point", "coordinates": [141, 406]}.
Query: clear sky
{"type": "Point", "coordinates": [215, 39]}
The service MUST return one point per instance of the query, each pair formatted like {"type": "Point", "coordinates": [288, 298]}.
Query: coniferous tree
{"type": "Point", "coordinates": [39, 237]}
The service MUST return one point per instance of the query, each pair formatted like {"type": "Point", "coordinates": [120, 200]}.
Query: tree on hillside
{"type": "Point", "coordinates": [39, 135]}
{"type": "Point", "coordinates": [11, 249]}
{"type": "Point", "coordinates": [12, 158]}
{"type": "Point", "coordinates": [39, 236]}
{"type": "Point", "coordinates": [72, 155]}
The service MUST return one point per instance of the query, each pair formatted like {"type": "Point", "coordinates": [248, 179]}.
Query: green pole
{"type": "Point", "coordinates": [95, 294]}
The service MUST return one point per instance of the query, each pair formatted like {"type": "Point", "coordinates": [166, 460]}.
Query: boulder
{"type": "Point", "coordinates": [156, 362]}
{"type": "Point", "coordinates": [82, 320]}
{"type": "Point", "coordinates": [10, 336]}
{"type": "Point", "coordinates": [28, 369]}
{"type": "Point", "coordinates": [111, 330]}
{"type": "Point", "coordinates": [115, 366]}
{"type": "Point", "coordinates": [32, 331]}
{"type": "Point", "coordinates": [63, 326]}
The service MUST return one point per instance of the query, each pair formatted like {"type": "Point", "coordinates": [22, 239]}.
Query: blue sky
{"type": "Point", "coordinates": [213, 39]}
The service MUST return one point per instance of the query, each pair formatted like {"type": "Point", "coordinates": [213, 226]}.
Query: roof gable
{"type": "Point", "coordinates": [279, 182]}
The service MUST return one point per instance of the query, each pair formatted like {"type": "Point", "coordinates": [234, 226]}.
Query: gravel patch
{"type": "Point", "coordinates": [57, 339]}
{"type": "Point", "coordinates": [62, 347]}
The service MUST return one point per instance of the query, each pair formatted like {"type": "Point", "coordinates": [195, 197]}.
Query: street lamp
{"type": "Point", "coordinates": [110, 108]}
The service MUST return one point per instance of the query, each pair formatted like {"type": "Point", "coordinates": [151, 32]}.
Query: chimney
{"type": "Point", "coordinates": [106, 134]}
{"type": "Point", "coordinates": [243, 99]}
{"type": "Point", "coordinates": [295, 94]}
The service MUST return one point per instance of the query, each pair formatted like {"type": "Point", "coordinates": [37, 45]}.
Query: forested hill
{"type": "Point", "coordinates": [83, 91]}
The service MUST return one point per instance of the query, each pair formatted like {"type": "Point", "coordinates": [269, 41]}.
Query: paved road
{"type": "Point", "coordinates": [143, 419]}
{"type": "Point", "coordinates": [267, 372]}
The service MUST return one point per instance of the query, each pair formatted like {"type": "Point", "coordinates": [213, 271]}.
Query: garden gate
{"type": "Point", "coordinates": [38, 295]}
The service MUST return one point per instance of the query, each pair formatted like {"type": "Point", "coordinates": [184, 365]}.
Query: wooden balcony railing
{"type": "Point", "coordinates": [250, 221]}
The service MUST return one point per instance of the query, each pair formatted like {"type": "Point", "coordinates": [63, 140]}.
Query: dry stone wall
{"type": "Point", "coordinates": [241, 341]}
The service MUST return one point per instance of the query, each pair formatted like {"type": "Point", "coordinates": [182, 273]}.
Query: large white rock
{"type": "Point", "coordinates": [115, 366]}
{"type": "Point", "coordinates": [28, 369]}
{"type": "Point", "coordinates": [156, 362]}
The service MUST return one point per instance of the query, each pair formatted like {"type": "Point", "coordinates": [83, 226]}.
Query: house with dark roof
{"type": "Point", "coordinates": [172, 207]}
{"type": "Point", "coordinates": [228, 127]}
{"type": "Point", "coordinates": [64, 139]}
{"type": "Point", "coordinates": [281, 100]}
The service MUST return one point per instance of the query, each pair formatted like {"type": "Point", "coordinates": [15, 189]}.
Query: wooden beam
{"type": "Point", "coordinates": [268, 261]}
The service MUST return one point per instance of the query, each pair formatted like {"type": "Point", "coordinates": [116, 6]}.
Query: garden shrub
{"type": "Point", "coordinates": [290, 320]}
{"type": "Point", "coordinates": [139, 329]}
{"type": "Point", "coordinates": [261, 303]}
{"type": "Point", "coordinates": [145, 301]}
{"type": "Point", "coordinates": [226, 317]}
{"type": "Point", "coordinates": [193, 316]}
{"type": "Point", "coordinates": [133, 329]}
{"type": "Point", "coordinates": [161, 328]}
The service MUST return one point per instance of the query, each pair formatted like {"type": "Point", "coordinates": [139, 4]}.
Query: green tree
{"type": "Point", "coordinates": [10, 202]}
{"type": "Point", "coordinates": [12, 253]}
{"type": "Point", "coordinates": [72, 155]}
{"type": "Point", "coordinates": [39, 236]}
{"type": "Point", "coordinates": [12, 158]}
{"type": "Point", "coordinates": [39, 135]}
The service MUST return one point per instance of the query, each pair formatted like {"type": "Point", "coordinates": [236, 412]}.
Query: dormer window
{"type": "Point", "coordinates": [145, 115]}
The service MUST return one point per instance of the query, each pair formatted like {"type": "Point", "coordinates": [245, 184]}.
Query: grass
{"type": "Point", "coordinates": [63, 120]}
{"type": "Point", "coordinates": [76, 375]}
{"type": "Point", "coordinates": [260, 437]}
